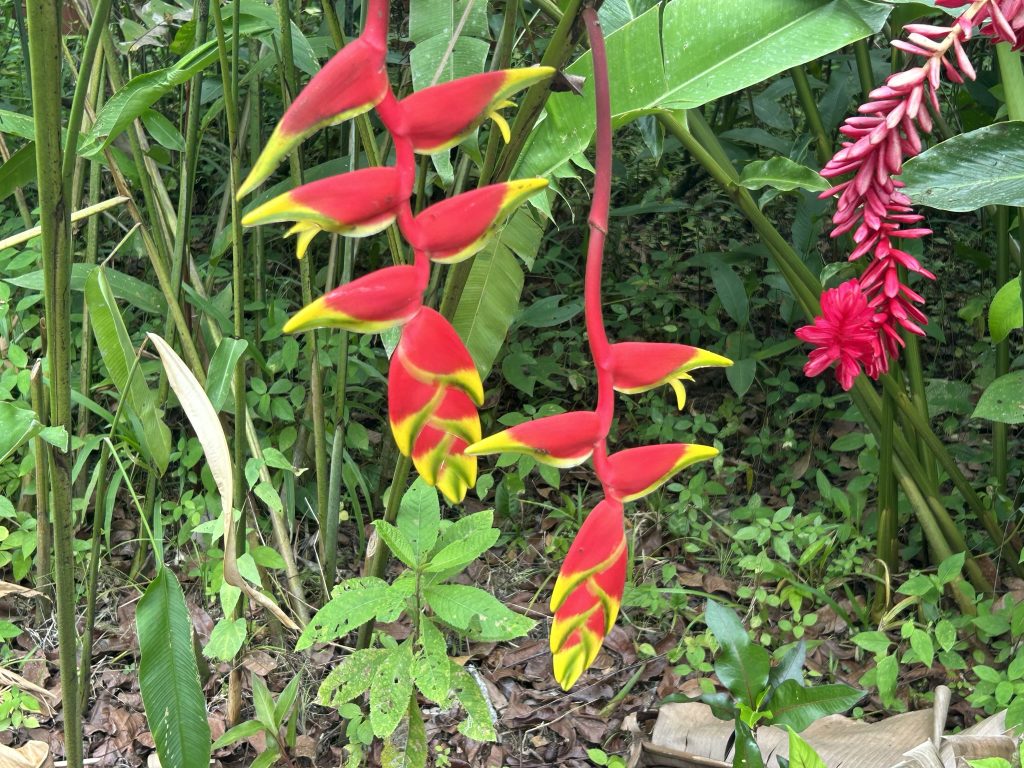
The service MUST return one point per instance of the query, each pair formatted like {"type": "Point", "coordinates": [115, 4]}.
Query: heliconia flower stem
{"type": "Point", "coordinates": [597, 337]}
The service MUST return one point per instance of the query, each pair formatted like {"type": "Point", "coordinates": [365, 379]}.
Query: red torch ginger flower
{"type": "Point", "coordinates": [588, 592]}
{"type": "Point", "coordinates": [439, 117]}
{"type": "Point", "coordinates": [357, 204]}
{"type": "Point", "coordinates": [846, 332]}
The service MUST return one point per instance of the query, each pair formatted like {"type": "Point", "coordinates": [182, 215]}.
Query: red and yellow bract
{"type": "Point", "coordinates": [588, 593]}
{"type": "Point", "coordinates": [439, 117]}
{"type": "Point", "coordinates": [459, 227]}
{"type": "Point", "coordinates": [356, 204]}
{"type": "Point", "coordinates": [639, 366]}
{"type": "Point", "coordinates": [564, 440]}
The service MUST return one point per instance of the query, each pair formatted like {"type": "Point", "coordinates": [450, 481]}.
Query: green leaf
{"type": "Point", "coordinates": [783, 174]}
{"type": "Point", "coordinates": [239, 733]}
{"type": "Point", "coordinates": [419, 518]}
{"type": "Point", "coordinates": [710, 50]}
{"type": "Point", "coordinates": [143, 91]}
{"type": "Point", "coordinates": [430, 669]}
{"type": "Point", "coordinates": [476, 613]}
{"type": "Point", "coordinates": [491, 297]}
{"type": "Point", "coordinates": [354, 602]}
{"type": "Point", "coordinates": [138, 294]}
{"type": "Point", "coordinates": [19, 171]}
{"type": "Point", "coordinates": [791, 667]}
{"type": "Point", "coordinates": [391, 690]}
{"type": "Point", "coordinates": [1005, 314]}
{"type": "Point", "coordinates": [795, 706]}
{"type": "Point", "coordinates": [222, 369]}
{"type": "Point", "coordinates": [168, 676]}
{"type": "Point", "coordinates": [351, 678]}
{"type": "Point", "coordinates": [744, 671]}
{"type": "Point", "coordinates": [951, 567]}
{"type": "Point", "coordinates": [409, 751]}
{"type": "Point", "coordinates": [286, 700]}
{"type": "Point", "coordinates": [725, 626]}
{"type": "Point", "coordinates": [1003, 400]}
{"type": "Point", "coordinates": [479, 723]}
{"type": "Point", "coordinates": [459, 554]}
{"type": "Point", "coordinates": [924, 649]}
{"type": "Point", "coordinates": [731, 292]}
{"type": "Point", "coordinates": [225, 640]}
{"type": "Point", "coordinates": [970, 171]}
{"type": "Point", "coordinates": [802, 754]}
{"type": "Point", "coordinates": [397, 542]}
{"type": "Point", "coordinates": [118, 355]}
{"type": "Point", "coordinates": [263, 703]}
{"type": "Point", "coordinates": [17, 426]}
{"type": "Point", "coordinates": [747, 754]}
{"type": "Point", "coordinates": [990, 762]}
{"type": "Point", "coordinates": [163, 131]}
{"type": "Point", "coordinates": [886, 672]}
{"type": "Point", "coordinates": [464, 527]}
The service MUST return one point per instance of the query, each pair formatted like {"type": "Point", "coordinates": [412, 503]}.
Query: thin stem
{"type": "Point", "coordinates": [44, 535]}
{"type": "Point", "coordinates": [316, 382]}
{"type": "Point", "coordinates": [74, 127]}
{"type": "Point", "coordinates": [862, 54]}
{"type": "Point", "coordinates": [1000, 430]}
{"type": "Point", "coordinates": [44, 22]}
{"type": "Point", "coordinates": [822, 142]}
{"type": "Point", "coordinates": [887, 544]}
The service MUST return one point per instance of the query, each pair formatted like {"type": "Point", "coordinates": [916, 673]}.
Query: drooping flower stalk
{"type": "Point", "coordinates": [434, 387]}
{"type": "Point", "coordinates": [587, 595]}
{"type": "Point", "coordinates": [888, 129]}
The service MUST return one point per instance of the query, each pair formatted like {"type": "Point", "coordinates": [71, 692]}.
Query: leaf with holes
{"type": "Point", "coordinates": [391, 690]}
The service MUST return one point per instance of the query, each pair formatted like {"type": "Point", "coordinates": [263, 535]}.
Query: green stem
{"type": "Point", "coordinates": [316, 381]}
{"type": "Point", "coordinates": [96, 29]}
{"type": "Point", "coordinates": [44, 535]}
{"type": "Point", "coordinates": [1000, 430]}
{"type": "Point", "coordinates": [862, 54]}
{"type": "Point", "coordinates": [822, 142]}
{"type": "Point", "coordinates": [44, 24]}
{"type": "Point", "coordinates": [888, 518]}
{"type": "Point", "coordinates": [560, 47]}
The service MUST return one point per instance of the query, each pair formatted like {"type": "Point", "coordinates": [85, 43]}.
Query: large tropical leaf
{"type": "Point", "coordinates": [491, 297]}
{"type": "Point", "coordinates": [690, 53]}
{"type": "Point", "coordinates": [169, 677]}
{"type": "Point", "coordinates": [970, 171]}
{"type": "Point", "coordinates": [118, 355]}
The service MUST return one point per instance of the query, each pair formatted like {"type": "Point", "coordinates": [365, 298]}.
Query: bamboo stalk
{"type": "Point", "coordinates": [44, 22]}
{"type": "Point", "coordinates": [44, 534]}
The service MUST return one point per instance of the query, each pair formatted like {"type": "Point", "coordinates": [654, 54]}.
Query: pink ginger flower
{"type": "Point", "coordinates": [845, 332]}
{"type": "Point", "coordinates": [888, 129]}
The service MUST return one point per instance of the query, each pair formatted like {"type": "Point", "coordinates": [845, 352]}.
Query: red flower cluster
{"type": "Point", "coordinates": [434, 387]}
{"type": "Point", "coordinates": [887, 129]}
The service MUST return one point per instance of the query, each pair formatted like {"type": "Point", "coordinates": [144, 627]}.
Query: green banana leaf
{"type": "Point", "coordinates": [707, 50]}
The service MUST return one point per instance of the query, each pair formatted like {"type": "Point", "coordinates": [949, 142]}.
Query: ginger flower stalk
{"type": "Point", "coordinates": [886, 130]}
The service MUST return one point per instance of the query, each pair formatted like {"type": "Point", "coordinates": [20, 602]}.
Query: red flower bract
{"type": "Point", "coordinates": [846, 333]}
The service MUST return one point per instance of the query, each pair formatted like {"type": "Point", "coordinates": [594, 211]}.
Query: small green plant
{"type": "Point", "coordinates": [600, 757]}
{"type": "Point", "coordinates": [275, 719]}
{"type": "Point", "coordinates": [433, 552]}
{"type": "Point", "coordinates": [758, 693]}
{"type": "Point", "coordinates": [928, 635]}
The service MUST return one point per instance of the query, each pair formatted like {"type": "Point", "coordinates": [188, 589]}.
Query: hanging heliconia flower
{"type": "Point", "coordinates": [587, 595]}
{"type": "Point", "coordinates": [434, 387]}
